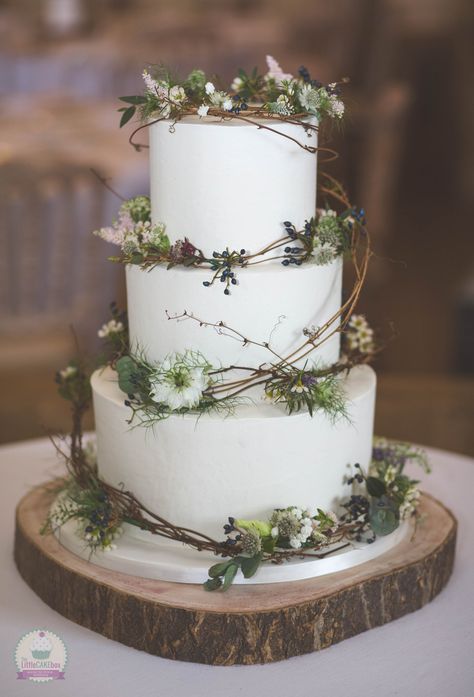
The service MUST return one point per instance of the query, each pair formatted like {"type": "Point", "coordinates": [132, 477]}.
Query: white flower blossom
{"type": "Point", "coordinates": [202, 110]}
{"type": "Point", "coordinates": [310, 99]}
{"type": "Point", "coordinates": [218, 99]}
{"type": "Point", "coordinates": [336, 107]}
{"type": "Point", "coordinates": [295, 543]}
{"type": "Point", "coordinates": [68, 372]}
{"type": "Point", "coordinates": [327, 213]}
{"type": "Point", "coordinates": [359, 335]}
{"type": "Point", "coordinates": [283, 105]}
{"type": "Point", "coordinates": [410, 502]}
{"type": "Point", "coordinates": [299, 388]}
{"type": "Point", "coordinates": [275, 532]}
{"type": "Point", "coordinates": [306, 531]}
{"type": "Point", "coordinates": [227, 104]}
{"type": "Point", "coordinates": [237, 83]}
{"type": "Point", "coordinates": [323, 253]}
{"type": "Point", "coordinates": [111, 327]}
{"type": "Point", "coordinates": [177, 95]}
{"type": "Point", "coordinates": [209, 87]}
{"type": "Point", "coordinates": [179, 382]}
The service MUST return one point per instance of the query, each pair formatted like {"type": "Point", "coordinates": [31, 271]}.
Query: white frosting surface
{"type": "Point", "coordinates": [271, 304]}
{"type": "Point", "coordinates": [196, 472]}
{"type": "Point", "coordinates": [229, 183]}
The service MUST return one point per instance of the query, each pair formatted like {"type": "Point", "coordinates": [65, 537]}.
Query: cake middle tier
{"type": "Point", "coordinates": [272, 303]}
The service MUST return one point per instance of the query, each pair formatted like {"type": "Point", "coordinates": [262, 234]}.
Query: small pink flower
{"type": "Point", "coordinates": [275, 72]}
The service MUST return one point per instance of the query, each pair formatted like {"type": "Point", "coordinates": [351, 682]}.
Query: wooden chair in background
{"type": "Point", "coordinates": [53, 275]}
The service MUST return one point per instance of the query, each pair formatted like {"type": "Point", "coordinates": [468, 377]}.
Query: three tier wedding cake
{"type": "Point", "coordinates": [237, 388]}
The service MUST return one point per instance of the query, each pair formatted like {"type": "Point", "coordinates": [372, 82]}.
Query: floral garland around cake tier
{"type": "Point", "coordinates": [324, 237]}
{"type": "Point", "coordinates": [378, 501]}
{"type": "Point", "coordinates": [254, 98]}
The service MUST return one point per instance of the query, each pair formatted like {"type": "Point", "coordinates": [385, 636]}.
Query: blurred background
{"type": "Point", "coordinates": [407, 157]}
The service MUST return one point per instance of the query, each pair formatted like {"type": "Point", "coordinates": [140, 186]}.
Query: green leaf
{"type": "Point", "coordinates": [383, 516]}
{"type": "Point", "coordinates": [126, 368]}
{"type": "Point", "coordinates": [127, 115]}
{"type": "Point", "coordinates": [249, 565]}
{"type": "Point", "coordinates": [375, 487]}
{"type": "Point", "coordinates": [219, 569]}
{"type": "Point", "coordinates": [260, 526]}
{"type": "Point", "coordinates": [136, 258]}
{"type": "Point", "coordinates": [134, 99]}
{"type": "Point", "coordinates": [230, 575]}
{"type": "Point", "coordinates": [268, 544]}
{"type": "Point", "coordinates": [212, 584]}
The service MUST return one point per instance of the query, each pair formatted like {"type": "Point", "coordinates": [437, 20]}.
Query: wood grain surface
{"type": "Point", "coordinates": [248, 624]}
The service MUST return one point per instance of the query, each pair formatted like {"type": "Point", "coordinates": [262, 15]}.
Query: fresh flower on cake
{"type": "Point", "coordinates": [180, 381]}
{"type": "Point", "coordinates": [274, 94]}
{"type": "Point", "coordinates": [134, 232]}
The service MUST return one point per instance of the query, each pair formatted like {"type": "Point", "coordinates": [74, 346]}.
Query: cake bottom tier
{"type": "Point", "coordinates": [197, 471]}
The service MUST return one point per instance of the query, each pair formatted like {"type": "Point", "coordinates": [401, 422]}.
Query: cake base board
{"type": "Point", "coordinates": [148, 556]}
{"type": "Point", "coordinates": [247, 624]}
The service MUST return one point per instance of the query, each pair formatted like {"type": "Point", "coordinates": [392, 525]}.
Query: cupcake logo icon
{"type": "Point", "coordinates": [41, 646]}
{"type": "Point", "coordinates": [40, 656]}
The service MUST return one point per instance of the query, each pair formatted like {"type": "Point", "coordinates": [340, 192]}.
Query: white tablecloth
{"type": "Point", "coordinates": [428, 653]}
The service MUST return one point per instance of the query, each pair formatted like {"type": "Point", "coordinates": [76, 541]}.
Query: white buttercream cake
{"type": "Point", "coordinates": [231, 184]}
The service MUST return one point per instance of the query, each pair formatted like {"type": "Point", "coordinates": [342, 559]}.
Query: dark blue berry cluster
{"type": "Point", "coordinates": [239, 104]}
{"type": "Point", "coordinates": [296, 255]}
{"type": "Point", "coordinates": [358, 214]}
{"type": "Point", "coordinates": [290, 230]}
{"type": "Point", "coordinates": [222, 264]}
{"type": "Point", "coordinates": [228, 529]}
{"type": "Point", "coordinates": [100, 516]}
{"type": "Point", "coordinates": [306, 77]}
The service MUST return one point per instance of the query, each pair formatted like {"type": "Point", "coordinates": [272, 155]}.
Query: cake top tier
{"type": "Point", "coordinates": [229, 168]}
{"type": "Point", "coordinates": [230, 185]}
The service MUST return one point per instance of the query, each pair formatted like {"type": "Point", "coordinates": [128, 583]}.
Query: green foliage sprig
{"type": "Point", "coordinates": [393, 495]}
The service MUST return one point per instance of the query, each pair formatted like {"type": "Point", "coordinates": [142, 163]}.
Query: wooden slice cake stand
{"type": "Point", "coordinates": [247, 624]}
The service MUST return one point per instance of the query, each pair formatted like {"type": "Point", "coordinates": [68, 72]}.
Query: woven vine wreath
{"type": "Point", "coordinates": [324, 237]}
